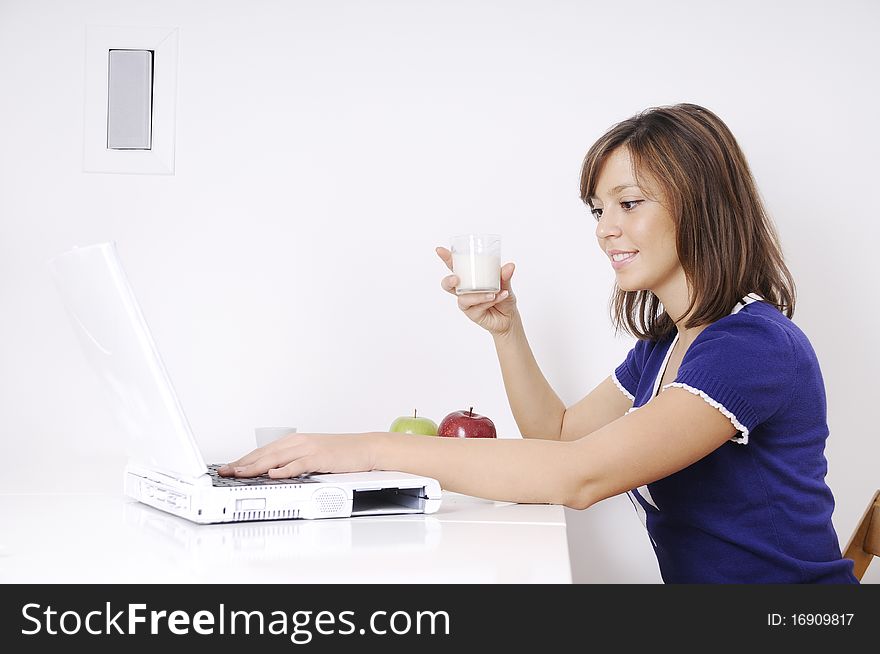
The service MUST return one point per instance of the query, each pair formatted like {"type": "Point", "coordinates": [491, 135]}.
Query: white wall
{"type": "Point", "coordinates": [325, 148]}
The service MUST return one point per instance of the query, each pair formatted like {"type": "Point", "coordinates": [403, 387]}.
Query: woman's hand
{"type": "Point", "coordinates": [495, 314]}
{"type": "Point", "coordinates": [298, 454]}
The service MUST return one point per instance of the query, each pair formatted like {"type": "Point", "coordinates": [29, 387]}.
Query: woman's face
{"type": "Point", "coordinates": [634, 230]}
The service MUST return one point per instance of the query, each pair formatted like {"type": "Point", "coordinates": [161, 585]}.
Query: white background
{"type": "Point", "coordinates": [324, 149]}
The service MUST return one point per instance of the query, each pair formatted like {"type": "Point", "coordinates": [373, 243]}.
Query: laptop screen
{"type": "Point", "coordinates": [119, 347]}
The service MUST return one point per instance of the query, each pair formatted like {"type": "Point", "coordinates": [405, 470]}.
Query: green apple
{"type": "Point", "coordinates": [414, 425]}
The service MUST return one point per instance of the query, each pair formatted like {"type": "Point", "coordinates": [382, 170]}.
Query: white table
{"type": "Point", "coordinates": [107, 538]}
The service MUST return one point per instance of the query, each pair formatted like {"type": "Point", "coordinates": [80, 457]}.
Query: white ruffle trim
{"type": "Point", "coordinates": [743, 439]}
{"type": "Point", "coordinates": [622, 389]}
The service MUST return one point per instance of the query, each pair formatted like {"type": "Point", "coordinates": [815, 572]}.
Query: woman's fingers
{"type": "Point", "coordinates": [268, 452]}
{"type": "Point", "coordinates": [266, 462]}
{"type": "Point", "coordinates": [449, 283]}
{"type": "Point", "coordinates": [471, 300]}
{"type": "Point", "coordinates": [291, 469]}
{"type": "Point", "coordinates": [446, 255]}
{"type": "Point", "coordinates": [506, 273]}
{"type": "Point", "coordinates": [229, 469]}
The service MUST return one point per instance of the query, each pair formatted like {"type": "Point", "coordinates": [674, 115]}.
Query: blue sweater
{"type": "Point", "coordinates": [757, 509]}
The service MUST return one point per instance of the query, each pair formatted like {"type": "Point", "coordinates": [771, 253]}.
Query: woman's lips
{"type": "Point", "coordinates": [625, 261]}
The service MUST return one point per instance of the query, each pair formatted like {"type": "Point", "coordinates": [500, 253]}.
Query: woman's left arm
{"type": "Point", "coordinates": [669, 433]}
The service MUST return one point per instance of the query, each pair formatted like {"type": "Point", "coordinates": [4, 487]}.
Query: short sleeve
{"type": "Point", "coordinates": [744, 365]}
{"type": "Point", "coordinates": [627, 375]}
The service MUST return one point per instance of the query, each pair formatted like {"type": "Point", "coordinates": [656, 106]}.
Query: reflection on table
{"type": "Point", "coordinates": [106, 538]}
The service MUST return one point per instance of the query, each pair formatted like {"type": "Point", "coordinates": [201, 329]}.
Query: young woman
{"type": "Point", "coordinates": [714, 425]}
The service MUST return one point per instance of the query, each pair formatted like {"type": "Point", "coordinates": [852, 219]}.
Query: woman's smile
{"type": "Point", "coordinates": [620, 258]}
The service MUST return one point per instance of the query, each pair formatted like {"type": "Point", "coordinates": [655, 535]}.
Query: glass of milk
{"type": "Point", "coordinates": [476, 261]}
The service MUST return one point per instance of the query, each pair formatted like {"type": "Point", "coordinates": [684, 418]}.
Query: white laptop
{"type": "Point", "coordinates": [165, 468]}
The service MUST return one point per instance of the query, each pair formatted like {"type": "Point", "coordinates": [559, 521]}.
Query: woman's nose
{"type": "Point", "coordinates": [607, 226]}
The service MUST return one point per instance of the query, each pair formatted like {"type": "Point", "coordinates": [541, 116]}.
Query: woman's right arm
{"type": "Point", "coordinates": [537, 409]}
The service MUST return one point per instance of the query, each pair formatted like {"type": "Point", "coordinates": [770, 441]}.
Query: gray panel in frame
{"type": "Point", "coordinates": [130, 100]}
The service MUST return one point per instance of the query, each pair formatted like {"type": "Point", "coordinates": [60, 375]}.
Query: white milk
{"type": "Point", "coordinates": [477, 272]}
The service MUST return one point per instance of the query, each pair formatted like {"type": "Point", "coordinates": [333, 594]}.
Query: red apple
{"type": "Point", "coordinates": [466, 424]}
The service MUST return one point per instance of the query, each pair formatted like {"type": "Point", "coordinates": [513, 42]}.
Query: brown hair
{"type": "Point", "coordinates": [725, 239]}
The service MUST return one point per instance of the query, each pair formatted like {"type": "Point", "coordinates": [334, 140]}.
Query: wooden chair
{"type": "Point", "coordinates": [864, 544]}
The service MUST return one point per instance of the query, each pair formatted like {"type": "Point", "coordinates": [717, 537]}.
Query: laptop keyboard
{"type": "Point", "coordinates": [262, 480]}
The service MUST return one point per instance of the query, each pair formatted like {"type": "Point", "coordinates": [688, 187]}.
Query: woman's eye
{"type": "Point", "coordinates": [626, 205]}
